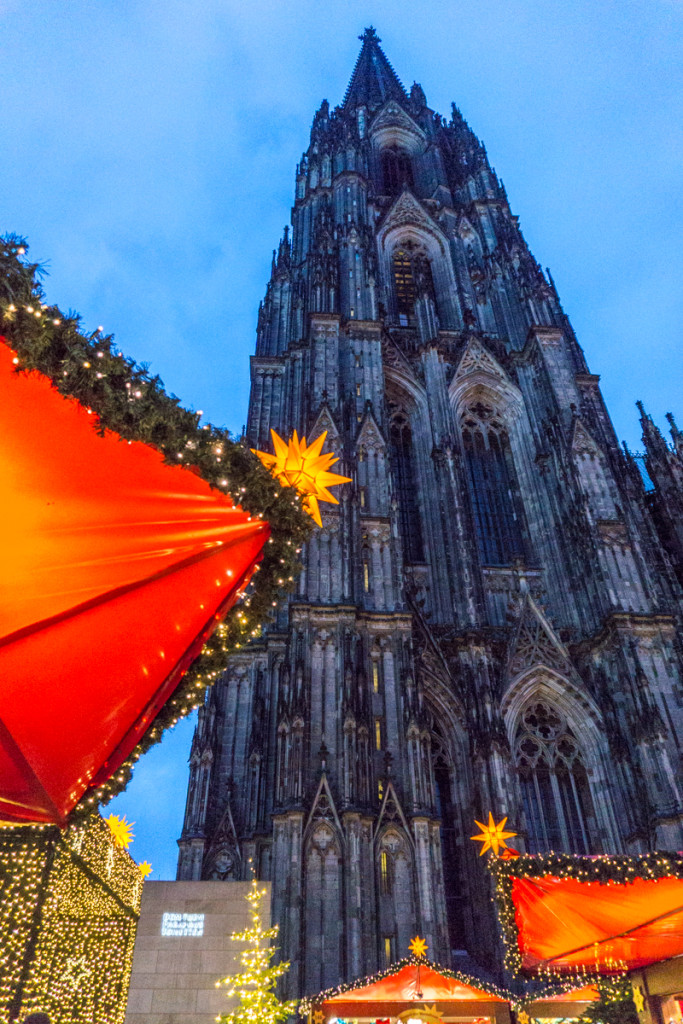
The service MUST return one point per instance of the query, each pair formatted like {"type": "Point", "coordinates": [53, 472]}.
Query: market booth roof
{"type": "Point", "coordinates": [569, 913]}
{"type": "Point", "coordinates": [114, 569]}
{"type": "Point", "coordinates": [412, 985]}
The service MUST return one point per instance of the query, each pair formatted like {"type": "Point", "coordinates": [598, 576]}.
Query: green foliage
{"type": "Point", "coordinates": [615, 1005]}
{"type": "Point", "coordinates": [125, 398]}
{"type": "Point", "coordinates": [254, 985]}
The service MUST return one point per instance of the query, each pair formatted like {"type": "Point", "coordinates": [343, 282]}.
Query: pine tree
{"type": "Point", "coordinates": [615, 1003]}
{"type": "Point", "coordinates": [254, 986]}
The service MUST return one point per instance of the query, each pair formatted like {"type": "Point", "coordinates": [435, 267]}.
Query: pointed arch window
{"type": "Point", "coordinates": [493, 486]}
{"type": "Point", "coordinates": [405, 476]}
{"type": "Point", "coordinates": [397, 170]}
{"type": "Point", "coordinates": [555, 787]}
{"type": "Point", "coordinates": [412, 276]}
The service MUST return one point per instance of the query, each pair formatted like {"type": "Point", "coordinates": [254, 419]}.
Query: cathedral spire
{"type": "Point", "coordinates": [373, 80]}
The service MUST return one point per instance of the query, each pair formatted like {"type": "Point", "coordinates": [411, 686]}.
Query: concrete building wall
{"type": "Point", "coordinates": [174, 976]}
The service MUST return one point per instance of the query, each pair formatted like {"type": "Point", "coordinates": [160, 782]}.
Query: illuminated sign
{"type": "Point", "coordinates": [182, 924]}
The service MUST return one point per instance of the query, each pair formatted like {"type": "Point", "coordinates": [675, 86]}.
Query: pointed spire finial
{"type": "Point", "coordinates": [370, 34]}
{"type": "Point", "coordinates": [373, 81]}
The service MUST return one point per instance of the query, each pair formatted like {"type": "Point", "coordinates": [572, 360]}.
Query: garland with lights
{"type": "Point", "coordinates": [603, 869]}
{"type": "Point", "coordinates": [71, 902]}
{"type": "Point", "coordinates": [126, 399]}
{"type": "Point", "coordinates": [466, 979]}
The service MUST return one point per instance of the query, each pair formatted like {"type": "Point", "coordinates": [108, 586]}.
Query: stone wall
{"type": "Point", "coordinates": [174, 976]}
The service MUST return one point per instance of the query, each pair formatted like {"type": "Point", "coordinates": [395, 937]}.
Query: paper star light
{"type": "Point", "coordinates": [121, 830]}
{"type": "Point", "coordinates": [304, 467]}
{"type": "Point", "coordinates": [145, 868]}
{"type": "Point", "coordinates": [492, 836]}
{"type": "Point", "coordinates": [75, 973]}
{"type": "Point", "coordinates": [523, 1017]}
{"type": "Point", "coordinates": [639, 998]}
{"type": "Point", "coordinates": [418, 947]}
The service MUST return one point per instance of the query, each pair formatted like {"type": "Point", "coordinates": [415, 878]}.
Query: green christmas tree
{"type": "Point", "coordinates": [254, 986]}
{"type": "Point", "coordinates": [615, 1004]}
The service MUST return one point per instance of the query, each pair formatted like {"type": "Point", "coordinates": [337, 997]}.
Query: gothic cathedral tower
{"type": "Point", "coordinates": [487, 621]}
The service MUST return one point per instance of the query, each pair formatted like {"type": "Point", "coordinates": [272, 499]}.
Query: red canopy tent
{"type": "Point", "coordinates": [114, 570]}
{"type": "Point", "coordinates": [609, 913]}
{"type": "Point", "coordinates": [412, 986]}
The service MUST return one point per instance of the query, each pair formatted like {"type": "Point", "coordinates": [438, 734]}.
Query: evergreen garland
{"type": "Point", "coordinates": [126, 399]}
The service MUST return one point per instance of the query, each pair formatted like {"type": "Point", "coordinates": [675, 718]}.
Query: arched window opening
{"type": "Point", "coordinates": [403, 466]}
{"type": "Point", "coordinates": [397, 170]}
{"type": "Point", "coordinates": [492, 480]}
{"type": "Point", "coordinates": [412, 274]}
{"type": "Point", "coordinates": [555, 788]}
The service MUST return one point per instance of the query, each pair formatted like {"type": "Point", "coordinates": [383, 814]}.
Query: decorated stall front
{"type": "Point", "coordinates": [70, 906]}
{"type": "Point", "coordinates": [413, 991]}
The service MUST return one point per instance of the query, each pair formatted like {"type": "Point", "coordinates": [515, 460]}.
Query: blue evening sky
{"type": "Point", "coordinates": [148, 154]}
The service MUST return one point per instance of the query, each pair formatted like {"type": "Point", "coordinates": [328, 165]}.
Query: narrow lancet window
{"type": "Point", "coordinates": [397, 171]}
{"type": "Point", "coordinates": [491, 476]}
{"type": "Point", "coordinates": [405, 478]}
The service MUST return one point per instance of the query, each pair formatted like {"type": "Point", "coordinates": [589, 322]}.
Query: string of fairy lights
{"type": "Point", "coordinates": [71, 901]}
{"type": "Point", "coordinates": [123, 397]}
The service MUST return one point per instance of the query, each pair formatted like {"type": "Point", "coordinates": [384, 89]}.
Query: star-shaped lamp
{"type": "Point", "coordinates": [302, 466]}
{"type": "Point", "coordinates": [639, 998]}
{"type": "Point", "coordinates": [492, 836]}
{"type": "Point", "coordinates": [121, 830]}
{"type": "Point", "coordinates": [418, 947]}
{"type": "Point", "coordinates": [145, 868]}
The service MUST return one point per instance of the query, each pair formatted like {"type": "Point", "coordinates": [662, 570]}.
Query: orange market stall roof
{"type": "Point", "coordinates": [115, 568]}
{"type": "Point", "coordinates": [567, 1005]}
{"type": "Point", "coordinates": [408, 985]}
{"type": "Point", "coordinates": [570, 914]}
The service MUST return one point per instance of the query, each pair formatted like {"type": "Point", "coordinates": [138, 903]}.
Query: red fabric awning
{"type": "Point", "coordinates": [570, 923]}
{"type": "Point", "coordinates": [114, 569]}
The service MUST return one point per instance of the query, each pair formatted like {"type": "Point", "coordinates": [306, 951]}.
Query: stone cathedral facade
{"type": "Point", "coordinates": [488, 620]}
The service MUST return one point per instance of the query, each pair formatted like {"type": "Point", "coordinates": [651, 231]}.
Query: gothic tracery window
{"type": "Point", "coordinates": [403, 465]}
{"type": "Point", "coordinates": [397, 170]}
{"type": "Point", "coordinates": [554, 781]}
{"type": "Point", "coordinates": [491, 474]}
{"type": "Point", "coordinates": [412, 277]}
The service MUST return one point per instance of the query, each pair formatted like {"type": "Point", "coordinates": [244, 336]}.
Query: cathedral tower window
{"type": "Point", "coordinates": [397, 170]}
{"type": "Point", "coordinates": [384, 874]}
{"type": "Point", "coordinates": [492, 480]}
{"type": "Point", "coordinates": [412, 277]}
{"type": "Point", "coordinates": [403, 465]}
{"type": "Point", "coordinates": [375, 677]}
{"type": "Point", "coordinates": [555, 787]}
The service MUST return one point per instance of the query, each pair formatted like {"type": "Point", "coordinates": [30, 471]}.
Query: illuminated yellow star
{"type": "Point", "coordinates": [145, 868]}
{"type": "Point", "coordinates": [318, 1017]}
{"type": "Point", "coordinates": [492, 836]}
{"type": "Point", "coordinates": [639, 998]}
{"type": "Point", "coordinates": [303, 467]}
{"type": "Point", "coordinates": [523, 1017]}
{"type": "Point", "coordinates": [418, 947]}
{"type": "Point", "coordinates": [121, 830]}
